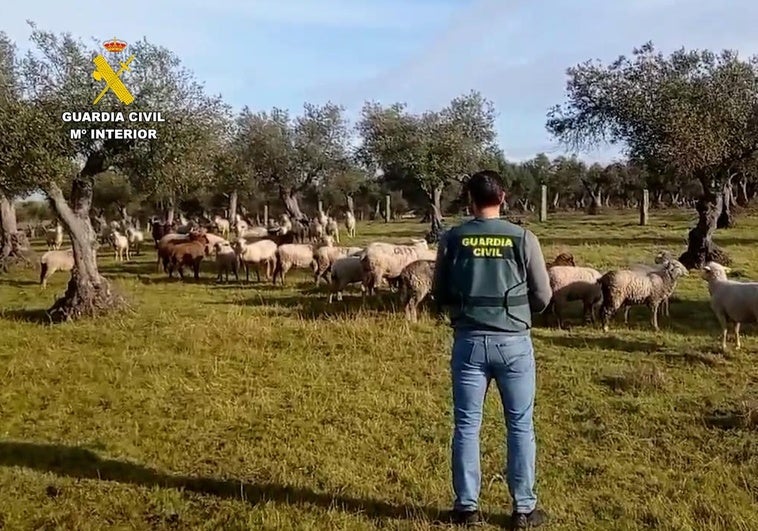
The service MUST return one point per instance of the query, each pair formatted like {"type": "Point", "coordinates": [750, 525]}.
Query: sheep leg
{"type": "Point", "coordinates": [247, 272]}
{"type": "Point", "coordinates": [196, 268]}
{"type": "Point", "coordinates": [724, 322]}
{"type": "Point", "coordinates": [737, 335]}
{"type": "Point", "coordinates": [410, 307]}
{"type": "Point", "coordinates": [258, 272]}
{"type": "Point", "coordinates": [626, 313]}
{"type": "Point", "coordinates": [724, 333]}
{"type": "Point", "coordinates": [607, 310]}
{"type": "Point", "coordinates": [654, 310]}
{"type": "Point", "coordinates": [665, 307]}
{"type": "Point", "coordinates": [234, 270]}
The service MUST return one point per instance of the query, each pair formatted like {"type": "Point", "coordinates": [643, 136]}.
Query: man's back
{"type": "Point", "coordinates": [491, 274]}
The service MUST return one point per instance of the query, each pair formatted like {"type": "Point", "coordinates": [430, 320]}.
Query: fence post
{"type": "Point", "coordinates": [543, 203]}
{"type": "Point", "coordinates": [644, 206]}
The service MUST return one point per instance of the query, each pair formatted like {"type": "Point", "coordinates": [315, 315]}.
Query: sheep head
{"type": "Point", "coordinates": [564, 259]}
{"type": "Point", "coordinates": [676, 268]}
{"type": "Point", "coordinates": [714, 271]}
{"type": "Point", "coordinates": [663, 257]}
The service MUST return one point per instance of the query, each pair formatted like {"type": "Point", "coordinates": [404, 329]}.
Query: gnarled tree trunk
{"type": "Point", "coordinates": [88, 293]}
{"type": "Point", "coordinates": [596, 198]}
{"type": "Point", "coordinates": [233, 198]}
{"type": "Point", "coordinates": [8, 226]}
{"type": "Point", "coordinates": [170, 211]}
{"type": "Point", "coordinates": [743, 199]}
{"type": "Point", "coordinates": [700, 247]}
{"type": "Point", "coordinates": [726, 216]}
{"type": "Point", "coordinates": [289, 197]}
{"type": "Point", "coordinates": [13, 245]}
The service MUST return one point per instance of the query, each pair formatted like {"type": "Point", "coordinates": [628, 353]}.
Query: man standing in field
{"type": "Point", "coordinates": [490, 275]}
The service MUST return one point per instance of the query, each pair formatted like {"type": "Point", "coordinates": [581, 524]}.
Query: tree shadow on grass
{"type": "Point", "coordinates": [35, 316]}
{"type": "Point", "coordinates": [128, 268]}
{"type": "Point", "coordinates": [80, 463]}
{"type": "Point", "coordinates": [16, 283]}
{"type": "Point", "coordinates": [608, 342]}
{"type": "Point", "coordinates": [612, 241]}
{"type": "Point", "coordinates": [164, 279]}
{"type": "Point", "coordinates": [312, 303]}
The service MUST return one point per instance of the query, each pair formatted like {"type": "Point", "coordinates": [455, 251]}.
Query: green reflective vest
{"type": "Point", "coordinates": [486, 277]}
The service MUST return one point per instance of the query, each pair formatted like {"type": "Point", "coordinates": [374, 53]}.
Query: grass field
{"type": "Point", "coordinates": [251, 407]}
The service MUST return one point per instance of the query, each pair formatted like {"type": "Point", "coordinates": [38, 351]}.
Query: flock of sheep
{"type": "Point", "coordinates": [406, 268]}
{"type": "Point", "coordinates": [732, 302]}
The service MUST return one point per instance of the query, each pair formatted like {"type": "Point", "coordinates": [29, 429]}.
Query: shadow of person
{"type": "Point", "coordinates": [82, 463]}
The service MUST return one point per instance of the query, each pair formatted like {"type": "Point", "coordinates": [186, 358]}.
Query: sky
{"type": "Point", "coordinates": [266, 53]}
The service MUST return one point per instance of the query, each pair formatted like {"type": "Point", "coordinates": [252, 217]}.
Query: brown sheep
{"type": "Point", "coordinates": [165, 245]}
{"type": "Point", "coordinates": [189, 254]}
{"type": "Point", "coordinates": [563, 259]}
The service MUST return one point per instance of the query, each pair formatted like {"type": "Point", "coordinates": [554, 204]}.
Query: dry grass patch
{"type": "Point", "coordinates": [642, 378]}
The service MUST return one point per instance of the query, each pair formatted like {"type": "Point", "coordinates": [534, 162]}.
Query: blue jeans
{"type": "Point", "coordinates": [477, 358]}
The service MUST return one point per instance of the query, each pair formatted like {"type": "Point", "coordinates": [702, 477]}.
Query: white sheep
{"type": "Point", "coordinates": [240, 225]}
{"type": "Point", "coordinates": [573, 283]}
{"type": "Point", "coordinates": [660, 262]}
{"type": "Point", "coordinates": [323, 219]}
{"type": "Point", "coordinates": [345, 271]}
{"type": "Point", "coordinates": [120, 245]}
{"type": "Point", "coordinates": [732, 302]}
{"type": "Point", "coordinates": [226, 260]}
{"type": "Point", "coordinates": [54, 237]}
{"type": "Point", "coordinates": [135, 237]}
{"type": "Point", "coordinates": [53, 261]}
{"type": "Point", "coordinates": [285, 225]}
{"type": "Point", "coordinates": [624, 288]}
{"type": "Point", "coordinates": [253, 232]}
{"type": "Point", "coordinates": [387, 260]}
{"type": "Point", "coordinates": [261, 252]}
{"type": "Point", "coordinates": [297, 255]}
{"type": "Point", "coordinates": [333, 229]}
{"type": "Point", "coordinates": [350, 224]}
{"type": "Point", "coordinates": [326, 256]}
{"type": "Point", "coordinates": [415, 285]}
{"type": "Point", "coordinates": [222, 225]}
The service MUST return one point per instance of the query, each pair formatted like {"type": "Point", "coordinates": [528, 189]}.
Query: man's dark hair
{"type": "Point", "coordinates": [485, 188]}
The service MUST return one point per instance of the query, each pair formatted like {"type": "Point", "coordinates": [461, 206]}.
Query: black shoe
{"type": "Point", "coordinates": [458, 517]}
{"type": "Point", "coordinates": [528, 520]}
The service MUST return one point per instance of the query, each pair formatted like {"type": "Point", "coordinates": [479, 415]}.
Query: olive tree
{"type": "Point", "coordinates": [433, 149]}
{"type": "Point", "coordinates": [291, 154]}
{"type": "Point", "coordinates": [55, 77]}
{"type": "Point", "coordinates": [691, 115]}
